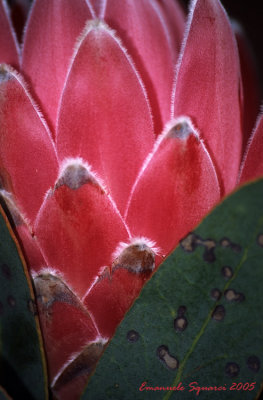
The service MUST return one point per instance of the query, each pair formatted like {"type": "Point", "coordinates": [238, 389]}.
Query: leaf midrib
{"type": "Point", "coordinates": [208, 318]}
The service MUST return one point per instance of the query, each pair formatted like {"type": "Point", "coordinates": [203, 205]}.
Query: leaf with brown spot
{"type": "Point", "coordinates": [22, 364]}
{"type": "Point", "coordinates": [222, 340]}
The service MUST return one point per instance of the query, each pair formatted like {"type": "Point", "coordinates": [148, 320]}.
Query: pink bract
{"type": "Point", "coordinates": [122, 123]}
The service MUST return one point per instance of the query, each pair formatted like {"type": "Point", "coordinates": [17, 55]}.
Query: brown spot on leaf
{"type": "Point", "coordinates": [133, 336]}
{"type": "Point", "coordinates": [232, 295]}
{"type": "Point", "coordinates": [253, 363]}
{"type": "Point", "coordinates": [191, 241]}
{"type": "Point", "coordinates": [232, 369]}
{"type": "Point", "coordinates": [167, 359]}
{"type": "Point", "coordinates": [11, 301]}
{"type": "Point", "coordinates": [225, 242]}
{"type": "Point", "coordinates": [181, 311]}
{"type": "Point", "coordinates": [240, 297]}
{"type": "Point", "coordinates": [215, 294]}
{"type": "Point", "coordinates": [209, 255]}
{"type": "Point", "coordinates": [82, 366]}
{"type": "Point", "coordinates": [209, 245]}
{"type": "Point", "coordinates": [227, 272]}
{"type": "Point", "coordinates": [180, 324]}
{"type": "Point", "coordinates": [260, 239]}
{"type": "Point", "coordinates": [219, 313]}
{"type": "Point", "coordinates": [209, 248]}
{"type": "Point", "coordinates": [6, 271]}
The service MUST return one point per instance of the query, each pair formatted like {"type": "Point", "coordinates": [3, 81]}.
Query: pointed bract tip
{"type": "Point", "coordinates": [91, 25]}
{"type": "Point", "coordinates": [180, 128]}
{"type": "Point", "coordinates": [80, 364]}
{"type": "Point", "coordinates": [8, 73]}
{"type": "Point", "coordinates": [49, 274]}
{"type": "Point", "coordinates": [95, 24]}
{"type": "Point", "coordinates": [138, 256]}
{"type": "Point", "coordinates": [50, 287]}
{"type": "Point", "coordinates": [74, 173]}
{"type": "Point", "coordinates": [5, 74]}
{"type": "Point", "coordinates": [9, 201]}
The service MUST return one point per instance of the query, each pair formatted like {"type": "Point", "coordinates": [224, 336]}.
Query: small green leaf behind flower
{"type": "Point", "coordinates": [22, 366]}
{"type": "Point", "coordinates": [198, 322]}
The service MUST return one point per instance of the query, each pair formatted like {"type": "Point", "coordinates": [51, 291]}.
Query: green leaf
{"type": "Point", "coordinates": [22, 367]}
{"type": "Point", "coordinates": [200, 317]}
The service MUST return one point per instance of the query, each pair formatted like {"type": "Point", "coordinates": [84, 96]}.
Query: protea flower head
{"type": "Point", "coordinates": [122, 123]}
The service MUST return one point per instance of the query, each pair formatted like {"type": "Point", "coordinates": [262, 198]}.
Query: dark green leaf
{"type": "Point", "coordinates": [22, 370]}
{"type": "Point", "coordinates": [202, 309]}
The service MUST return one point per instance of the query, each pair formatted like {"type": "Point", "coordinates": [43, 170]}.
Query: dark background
{"type": "Point", "coordinates": [249, 13]}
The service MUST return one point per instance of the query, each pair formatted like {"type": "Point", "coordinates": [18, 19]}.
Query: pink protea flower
{"type": "Point", "coordinates": [121, 127]}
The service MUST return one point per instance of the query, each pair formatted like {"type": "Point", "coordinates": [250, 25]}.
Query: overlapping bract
{"type": "Point", "coordinates": [104, 176]}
